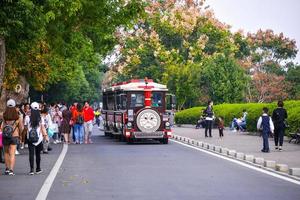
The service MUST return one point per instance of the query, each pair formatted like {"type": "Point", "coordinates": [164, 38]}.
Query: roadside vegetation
{"type": "Point", "coordinates": [229, 111]}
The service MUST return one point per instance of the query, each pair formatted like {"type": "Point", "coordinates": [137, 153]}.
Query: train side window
{"type": "Point", "coordinates": [110, 102]}
{"type": "Point", "coordinates": [121, 102]}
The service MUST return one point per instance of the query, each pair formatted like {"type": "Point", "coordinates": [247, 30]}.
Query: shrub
{"type": "Point", "coordinates": [229, 111]}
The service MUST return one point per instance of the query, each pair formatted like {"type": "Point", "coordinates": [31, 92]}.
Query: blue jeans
{"type": "Point", "coordinates": [78, 132]}
{"type": "Point", "coordinates": [233, 124]}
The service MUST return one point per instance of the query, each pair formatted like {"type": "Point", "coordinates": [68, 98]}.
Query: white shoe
{"type": "Point", "coordinates": [22, 146]}
{"type": "Point", "coordinates": [54, 142]}
{"type": "Point", "coordinates": [17, 152]}
{"type": "Point", "coordinates": [26, 145]}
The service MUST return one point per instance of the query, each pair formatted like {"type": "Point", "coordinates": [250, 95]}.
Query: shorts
{"type": "Point", "coordinates": [12, 141]}
{"type": "Point", "coordinates": [88, 126]}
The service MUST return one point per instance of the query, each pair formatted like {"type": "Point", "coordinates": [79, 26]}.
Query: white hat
{"type": "Point", "coordinates": [35, 106]}
{"type": "Point", "coordinates": [11, 103]}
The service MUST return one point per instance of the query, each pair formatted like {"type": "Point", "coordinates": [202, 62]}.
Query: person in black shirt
{"type": "Point", "coordinates": [209, 118]}
{"type": "Point", "coordinates": [279, 116]}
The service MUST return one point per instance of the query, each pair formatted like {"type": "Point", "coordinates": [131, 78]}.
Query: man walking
{"type": "Point", "coordinates": [88, 115]}
{"type": "Point", "coordinates": [279, 116]}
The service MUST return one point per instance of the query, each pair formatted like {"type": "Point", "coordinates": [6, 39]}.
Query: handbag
{"type": "Point", "coordinates": [50, 132]}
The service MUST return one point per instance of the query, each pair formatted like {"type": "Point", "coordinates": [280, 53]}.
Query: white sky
{"type": "Point", "coordinates": [251, 15]}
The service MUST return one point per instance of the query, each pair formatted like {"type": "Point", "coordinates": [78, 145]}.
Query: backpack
{"type": "Point", "coordinates": [33, 136]}
{"type": "Point", "coordinates": [80, 119]}
{"type": "Point", "coordinates": [8, 131]}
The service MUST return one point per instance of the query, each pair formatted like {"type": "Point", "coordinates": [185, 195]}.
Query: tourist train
{"type": "Point", "coordinates": [138, 109]}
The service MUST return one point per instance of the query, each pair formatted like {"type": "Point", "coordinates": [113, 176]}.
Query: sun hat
{"type": "Point", "coordinates": [11, 103]}
{"type": "Point", "coordinates": [35, 106]}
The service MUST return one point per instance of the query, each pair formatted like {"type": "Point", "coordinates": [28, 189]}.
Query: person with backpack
{"type": "Point", "coordinates": [78, 124]}
{"type": "Point", "coordinates": [265, 124]}
{"type": "Point", "coordinates": [36, 134]}
{"type": "Point", "coordinates": [88, 115]}
{"type": "Point", "coordinates": [209, 113]}
{"type": "Point", "coordinates": [11, 127]}
{"type": "Point", "coordinates": [279, 116]}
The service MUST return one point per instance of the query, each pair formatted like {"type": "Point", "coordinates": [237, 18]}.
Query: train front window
{"type": "Point", "coordinates": [137, 100]}
{"type": "Point", "coordinates": [156, 99]}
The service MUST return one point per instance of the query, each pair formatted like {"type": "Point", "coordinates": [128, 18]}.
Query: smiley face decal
{"type": "Point", "coordinates": [148, 121]}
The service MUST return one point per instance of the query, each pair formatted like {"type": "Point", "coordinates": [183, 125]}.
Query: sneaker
{"type": "Point", "coordinates": [234, 130]}
{"type": "Point", "coordinates": [90, 141]}
{"type": "Point", "coordinates": [17, 152]}
{"type": "Point", "coordinates": [280, 148]}
{"type": "Point", "coordinates": [276, 147]}
{"type": "Point", "coordinates": [38, 171]}
{"type": "Point", "coordinates": [11, 173]}
{"type": "Point", "coordinates": [31, 173]}
{"type": "Point", "coordinates": [54, 142]}
{"type": "Point", "coordinates": [6, 171]}
{"type": "Point", "coordinates": [49, 149]}
{"type": "Point", "coordinates": [45, 152]}
{"type": "Point", "coordinates": [22, 146]}
{"type": "Point", "coordinates": [26, 145]}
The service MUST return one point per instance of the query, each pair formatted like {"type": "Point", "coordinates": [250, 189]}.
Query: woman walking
{"type": "Point", "coordinates": [36, 133]}
{"type": "Point", "coordinates": [11, 128]}
{"type": "Point", "coordinates": [78, 126]}
{"type": "Point", "coordinates": [65, 125]}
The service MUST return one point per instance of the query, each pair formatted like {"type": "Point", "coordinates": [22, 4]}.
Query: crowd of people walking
{"type": "Point", "coordinates": [38, 126]}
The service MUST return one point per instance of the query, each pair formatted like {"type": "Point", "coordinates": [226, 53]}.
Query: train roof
{"type": "Point", "coordinates": [137, 85]}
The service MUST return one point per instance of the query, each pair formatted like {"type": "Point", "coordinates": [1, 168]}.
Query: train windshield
{"type": "Point", "coordinates": [137, 100]}
{"type": "Point", "coordinates": [156, 99]}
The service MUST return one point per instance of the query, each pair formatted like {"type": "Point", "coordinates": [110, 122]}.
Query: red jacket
{"type": "Point", "coordinates": [88, 114]}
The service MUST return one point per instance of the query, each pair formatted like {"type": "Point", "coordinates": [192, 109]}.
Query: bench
{"type": "Point", "coordinates": [296, 137]}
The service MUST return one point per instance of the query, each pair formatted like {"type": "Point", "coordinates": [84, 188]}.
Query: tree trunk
{"type": "Point", "coordinates": [20, 95]}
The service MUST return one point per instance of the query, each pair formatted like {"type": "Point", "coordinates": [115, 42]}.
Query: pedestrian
{"type": "Point", "coordinates": [11, 128]}
{"type": "Point", "coordinates": [73, 108]}
{"type": "Point", "coordinates": [36, 128]}
{"type": "Point", "coordinates": [279, 116]}
{"type": "Point", "coordinates": [265, 124]}
{"type": "Point", "coordinates": [47, 121]}
{"type": "Point", "coordinates": [78, 119]}
{"type": "Point", "coordinates": [65, 125]}
{"type": "Point", "coordinates": [209, 113]}
{"type": "Point", "coordinates": [221, 126]}
{"type": "Point", "coordinates": [97, 114]}
{"type": "Point", "coordinates": [88, 115]}
{"type": "Point", "coordinates": [56, 118]}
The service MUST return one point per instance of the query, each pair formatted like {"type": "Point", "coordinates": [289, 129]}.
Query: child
{"type": "Point", "coordinates": [221, 126]}
{"type": "Point", "coordinates": [265, 124]}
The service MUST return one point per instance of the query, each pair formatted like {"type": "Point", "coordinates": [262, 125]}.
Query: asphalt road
{"type": "Point", "coordinates": [109, 169]}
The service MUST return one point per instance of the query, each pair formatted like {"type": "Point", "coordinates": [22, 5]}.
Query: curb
{"type": "Point", "coordinates": [268, 165]}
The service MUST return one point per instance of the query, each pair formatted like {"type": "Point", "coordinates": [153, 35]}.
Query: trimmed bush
{"type": "Point", "coordinates": [229, 111]}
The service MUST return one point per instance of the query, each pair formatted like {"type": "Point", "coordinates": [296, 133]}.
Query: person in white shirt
{"type": "Point", "coordinates": [265, 124]}
{"type": "Point", "coordinates": [35, 122]}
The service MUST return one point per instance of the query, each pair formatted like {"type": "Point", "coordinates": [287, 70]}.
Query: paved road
{"type": "Point", "coordinates": [111, 170]}
{"type": "Point", "coordinates": [245, 143]}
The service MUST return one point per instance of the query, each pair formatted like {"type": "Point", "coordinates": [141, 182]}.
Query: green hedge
{"type": "Point", "coordinates": [228, 111]}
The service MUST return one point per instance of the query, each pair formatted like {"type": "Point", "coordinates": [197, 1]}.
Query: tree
{"type": "Point", "coordinates": [183, 46]}
{"type": "Point", "coordinates": [51, 41]}
{"type": "Point", "coordinates": [270, 56]}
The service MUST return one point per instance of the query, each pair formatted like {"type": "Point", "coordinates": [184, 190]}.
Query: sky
{"type": "Point", "coordinates": [252, 15]}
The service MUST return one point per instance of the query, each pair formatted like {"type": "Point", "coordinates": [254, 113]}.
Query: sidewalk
{"type": "Point", "coordinates": [245, 143]}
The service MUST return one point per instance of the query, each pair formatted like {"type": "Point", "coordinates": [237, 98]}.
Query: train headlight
{"type": "Point", "coordinates": [129, 125]}
{"type": "Point", "coordinates": [167, 124]}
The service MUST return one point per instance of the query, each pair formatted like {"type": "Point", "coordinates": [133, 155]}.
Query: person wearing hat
{"type": "Point", "coordinates": [34, 122]}
{"type": "Point", "coordinates": [13, 125]}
